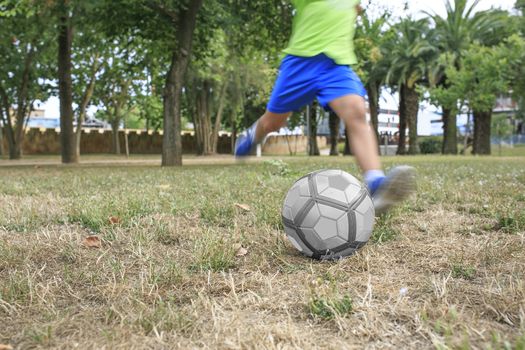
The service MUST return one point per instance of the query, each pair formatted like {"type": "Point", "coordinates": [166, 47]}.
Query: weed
{"type": "Point", "coordinates": [277, 167]}
{"type": "Point", "coordinates": [511, 223]}
{"type": "Point", "coordinates": [328, 308]}
{"type": "Point", "coordinates": [16, 288]}
{"type": "Point", "coordinates": [164, 317]}
{"type": "Point", "coordinates": [218, 215]}
{"type": "Point", "coordinates": [212, 253]}
{"type": "Point", "coordinates": [163, 234]}
{"type": "Point", "coordinates": [465, 272]}
{"type": "Point", "coordinates": [384, 230]}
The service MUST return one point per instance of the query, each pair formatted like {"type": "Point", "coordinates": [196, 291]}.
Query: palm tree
{"type": "Point", "coordinates": [409, 55]}
{"type": "Point", "coordinates": [369, 38]}
{"type": "Point", "coordinates": [453, 34]}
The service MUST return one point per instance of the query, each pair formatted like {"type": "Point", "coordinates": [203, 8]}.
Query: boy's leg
{"type": "Point", "coordinates": [352, 110]}
{"type": "Point", "coordinates": [270, 122]}
{"type": "Point", "coordinates": [266, 124]}
{"type": "Point", "coordinates": [386, 190]}
{"type": "Point", "coordinates": [294, 88]}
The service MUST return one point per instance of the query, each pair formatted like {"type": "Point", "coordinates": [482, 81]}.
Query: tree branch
{"type": "Point", "coordinates": [173, 15]}
{"type": "Point", "coordinates": [5, 102]}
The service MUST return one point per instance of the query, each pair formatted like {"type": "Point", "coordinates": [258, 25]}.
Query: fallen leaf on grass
{"type": "Point", "coordinates": [5, 347]}
{"type": "Point", "coordinates": [241, 251]}
{"type": "Point", "coordinates": [91, 242]}
{"type": "Point", "coordinates": [114, 220]}
{"type": "Point", "coordinates": [244, 207]}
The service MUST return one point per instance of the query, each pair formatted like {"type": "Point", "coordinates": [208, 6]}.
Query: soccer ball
{"type": "Point", "coordinates": [328, 214]}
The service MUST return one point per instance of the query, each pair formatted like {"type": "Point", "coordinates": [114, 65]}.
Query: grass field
{"type": "Point", "coordinates": [197, 258]}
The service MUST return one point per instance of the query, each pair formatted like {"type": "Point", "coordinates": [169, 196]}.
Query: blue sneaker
{"type": "Point", "coordinates": [245, 144]}
{"type": "Point", "coordinates": [392, 189]}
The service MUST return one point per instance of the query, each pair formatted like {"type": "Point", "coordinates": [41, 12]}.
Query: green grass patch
{"type": "Point", "coordinates": [464, 272]}
{"type": "Point", "coordinates": [212, 253]}
{"type": "Point", "coordinates": [384, 230]}
{"type": "Point", "coordinates": [511, 223]}
{"type": "Point", "coordinates": [164, 317]}
{"type": "Point", "coordinates": [328, 308]}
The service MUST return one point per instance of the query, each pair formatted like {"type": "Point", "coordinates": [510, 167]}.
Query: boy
{"type": "Point", "coordinates": [317, 64]}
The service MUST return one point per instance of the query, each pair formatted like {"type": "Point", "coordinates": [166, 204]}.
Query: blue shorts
{"type": "Point", "coordinates": [302, 79]}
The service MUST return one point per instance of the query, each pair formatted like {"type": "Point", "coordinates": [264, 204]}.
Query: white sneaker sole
{"type": "Point", "coordinates": [401, 182]}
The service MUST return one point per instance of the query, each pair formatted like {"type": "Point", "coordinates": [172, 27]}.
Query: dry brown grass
{"type": "Point", "coordinates": [441, 272]}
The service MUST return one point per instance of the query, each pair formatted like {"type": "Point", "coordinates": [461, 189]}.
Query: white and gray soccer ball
{"type": "Point", "coordinates": [328, 214]}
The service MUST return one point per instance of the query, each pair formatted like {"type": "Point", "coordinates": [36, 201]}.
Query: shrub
{"type": "Point", "coordinates": [431, 145]}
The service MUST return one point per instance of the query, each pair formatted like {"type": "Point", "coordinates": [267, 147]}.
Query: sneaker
{"type": "Point", "coordinates": [392, 189]}
{"type": "Point", "coordinates": [245, 144]}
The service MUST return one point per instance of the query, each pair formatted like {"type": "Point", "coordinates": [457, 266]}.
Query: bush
{"type": "Point", "coordinates": [431, 145]}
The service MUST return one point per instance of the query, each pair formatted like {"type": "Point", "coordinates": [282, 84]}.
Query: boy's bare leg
{"type": "Point", "coordinates": [255, 134]}
{"type": "Point", "coordinates": [386, 191]}
{"type": "Point", "coordinates": [352, 110]}
{"type": "Point", "coordinates": [268, 123]}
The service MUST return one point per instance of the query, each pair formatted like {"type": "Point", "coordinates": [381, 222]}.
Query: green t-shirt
{"type": "Point", "coordinates": [324, 26]}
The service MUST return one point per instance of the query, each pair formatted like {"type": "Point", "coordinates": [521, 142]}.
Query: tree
{"type": "Point", "coordinates": [184, 19]}
{"type": "Point", "coordinates": [520, 6]}
{"type": "Point", "coordinates": [483, 75]}
{"type": "Point", "coordinates": [453, 34]}
{"type": "Point", "coordinates": [410, 54]}
{"type": "Point", "coordinates": [170, 26]}
{"type": "Point", "coordinates": [25, 59]}
{"type": "Point", "coordinates": [120, 76]}
{"type": "Point", "coordinates": [207, 89]}
{"type": "Point", "coordinates": [90, 50]}
{"type": "Point", "coordinates": [372, 63]}
{"type": "Point", "coordinates": [515, 53]}
{"type": "Point", "coordinates": [65, 84]}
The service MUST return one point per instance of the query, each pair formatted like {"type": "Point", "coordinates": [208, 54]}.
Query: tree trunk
{"type": "Point", "coordinates": [172, 140]}
{"type": "Point", "coordinates": [1, 141]}
{"type": "Point", "coordinates": [65, 38]}
{"type": "Point", "coordinates": [201, 119]}
{"type": "Point", "coordinates": [86, 98]}
{"type": "Point", "coordinates": [401, 145]}
{"type": "Point", "coordinates": [115, 144]}
{"type": "Point", "coordinates": [450, 132]}
{"type": "Point", "coordinates": [15, 133]}
{"type": "Point", "coordinates": [126, 144]}
{"type": "Point", "coordinates": [7, 125]}
{"type": "Point", "coordinates": [313, 148]}
{"type": "Point", "coordinates": [13, 142]}
{"type": "Point", "coordinates": [347, 151]}
{"type": "Point", "coordinates": [482, 121]}
{"type": "Point", "coordinates": [412, 109]}
{"type": "Point", "coordinates": [2, 120]}
{"type": "Point", "coordinates": [22, 114]}
{"type": "Point", "coordinates": [13, 145]}
{"type": "Point", "coordinates": [218, 118]}
{"type": "Point", "coordinates": [372, 90]}
{"type": "Point", "coordinates": [334, 123]}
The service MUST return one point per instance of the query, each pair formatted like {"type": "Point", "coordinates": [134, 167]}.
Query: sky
{"type": "Point", "coordinates": [415, 8]}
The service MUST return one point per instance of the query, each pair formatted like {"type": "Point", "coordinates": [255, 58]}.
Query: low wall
{"type": "Point", "coordinates": [97, 141]}
{"type": "Point", "coordinates": [289, 144]}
